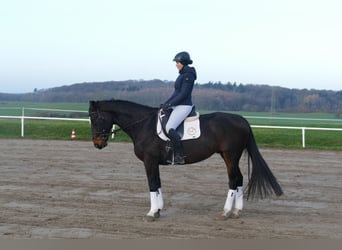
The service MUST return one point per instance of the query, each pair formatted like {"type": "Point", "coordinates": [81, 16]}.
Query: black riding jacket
{"type": "Point", "coordinates": [183, 87]}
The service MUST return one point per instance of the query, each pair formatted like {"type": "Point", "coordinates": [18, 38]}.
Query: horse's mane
{"type": "Point", "coordinates": [125, 104]}
{"type": "Point", "coordinates": [130, 103]}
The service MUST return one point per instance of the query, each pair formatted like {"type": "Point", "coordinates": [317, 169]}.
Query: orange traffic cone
{"type": "Point", "coordinates": [73, 134]}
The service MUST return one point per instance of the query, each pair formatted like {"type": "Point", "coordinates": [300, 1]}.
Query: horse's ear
{"type": "Point", "coordinates": [93, 105]}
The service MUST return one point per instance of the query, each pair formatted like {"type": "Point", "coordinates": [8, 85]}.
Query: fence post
{"type": "Point", "coordinates": [113, 129]}
{"type": "Point", "coordinates": [22, 122]}
{"type": "Point", "coordinates": [303, 137]}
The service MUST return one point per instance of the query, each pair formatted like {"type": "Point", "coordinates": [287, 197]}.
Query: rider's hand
{"type": "Point", "coordinates": [165, 106]}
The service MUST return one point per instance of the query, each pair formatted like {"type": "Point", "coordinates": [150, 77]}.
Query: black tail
{"type": "Point", "coordinates": [262, 181]}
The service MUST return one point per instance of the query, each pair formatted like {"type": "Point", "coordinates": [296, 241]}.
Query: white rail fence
{"type": "Point", "coordinates": [298, 128]}
{"type": "Point", "coordinates": [22, 117]}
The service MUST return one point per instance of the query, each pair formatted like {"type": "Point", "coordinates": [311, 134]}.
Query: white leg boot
{"type": "Point", "coordinates": [238, 202]}
{"type": "Point", "coordinates": [160, 199]}
{"type": "Point", "coordinates": [227, 209]}
{"type": "Point", "coordinates": [157, 203]}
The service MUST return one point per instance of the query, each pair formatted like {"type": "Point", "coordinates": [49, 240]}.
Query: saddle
{"type": "Point", "coordinates": [187, 130]}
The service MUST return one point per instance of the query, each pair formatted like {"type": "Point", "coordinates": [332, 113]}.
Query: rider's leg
{"type": "Point", "coordinates": [178, 114]}
{"type": "Point", "coordinates": [177, 147]}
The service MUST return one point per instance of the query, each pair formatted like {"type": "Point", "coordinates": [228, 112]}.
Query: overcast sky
{"type": "Point", "coordinates": [289, 43]}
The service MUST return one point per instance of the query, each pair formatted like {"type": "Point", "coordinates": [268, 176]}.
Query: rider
{"type": "Point", "coordinates": [180, 102]}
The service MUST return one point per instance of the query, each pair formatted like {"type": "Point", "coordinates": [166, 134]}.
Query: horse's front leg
{"type": "Point", "coordinates": [157, 203]}
{"type": "Point", "coordinates": [234, 200]}
{"type": "Point", "coordinates": [156, 196]}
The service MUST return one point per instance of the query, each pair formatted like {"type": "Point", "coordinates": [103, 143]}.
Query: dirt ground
{"type": "Point", "coordinates": [69, 189]}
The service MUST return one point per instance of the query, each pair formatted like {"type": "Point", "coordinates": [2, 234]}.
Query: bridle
{"type": "Point", "coordinates": [103, 133]}
{"type": "Point", "coordinates": [100, 117]}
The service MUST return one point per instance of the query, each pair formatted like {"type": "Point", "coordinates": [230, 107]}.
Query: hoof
{"type": "Point", "coordinates": [222, 216]}
{"type": "Point", "coordinates": [235, 213]}
{"type": "Point", "coordinates": [152, 217]}
{"type": "Point", "coordinates": [148, 218]}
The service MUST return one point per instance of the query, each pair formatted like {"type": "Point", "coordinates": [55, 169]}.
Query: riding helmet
{"type": "Point", "coordinates": [183, 57]}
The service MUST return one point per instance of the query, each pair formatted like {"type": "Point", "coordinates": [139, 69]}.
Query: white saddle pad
{"type": "Point", "coordinates": [191, 129]}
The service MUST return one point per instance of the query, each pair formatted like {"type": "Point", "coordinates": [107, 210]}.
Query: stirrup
{"type": "Point", "coordinates": [179, 160]}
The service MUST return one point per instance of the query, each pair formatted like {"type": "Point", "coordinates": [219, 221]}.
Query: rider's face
{"type": "Point", "coordinates": [179, 66]}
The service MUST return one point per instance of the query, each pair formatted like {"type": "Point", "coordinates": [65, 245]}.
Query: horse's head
{"type": "Point", "coordinates": [101, 124]}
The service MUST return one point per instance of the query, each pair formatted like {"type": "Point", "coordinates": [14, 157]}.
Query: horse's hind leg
{"type": "Point", "coordinates": [234, 201]}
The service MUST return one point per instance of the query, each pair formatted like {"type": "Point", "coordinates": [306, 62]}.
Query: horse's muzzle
{"type": "Point", "coordinates": [99, 143]}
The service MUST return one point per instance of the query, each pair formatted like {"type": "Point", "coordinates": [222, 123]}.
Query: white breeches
{"type": "Point", "coordinates": [179, 113]}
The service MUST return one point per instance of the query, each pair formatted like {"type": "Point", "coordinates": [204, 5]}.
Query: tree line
{"type": "Point", "coordinates": [209, 96]}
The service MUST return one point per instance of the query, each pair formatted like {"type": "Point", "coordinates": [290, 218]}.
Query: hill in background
{"type": "Point", "coordinates": [209, 96]}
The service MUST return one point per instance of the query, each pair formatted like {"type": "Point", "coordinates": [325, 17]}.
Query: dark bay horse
{"type": "Point", "coordinates": [223, 133]}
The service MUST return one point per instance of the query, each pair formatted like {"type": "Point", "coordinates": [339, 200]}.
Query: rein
{"type": "Point", "coordinates": [133, 123]}
{"type": "Point", "coordinates": [112, 132]}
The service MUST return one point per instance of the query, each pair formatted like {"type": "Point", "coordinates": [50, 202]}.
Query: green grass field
{"type": "Point", "coordinates": [274, 138]}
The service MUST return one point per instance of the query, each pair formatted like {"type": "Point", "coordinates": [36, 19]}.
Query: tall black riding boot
{"type": "Point", "coordinates": [177, 147]}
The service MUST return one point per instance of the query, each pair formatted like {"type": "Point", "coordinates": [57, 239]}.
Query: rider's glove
{"type": "Point", "coordinates": [165, 106]}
